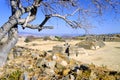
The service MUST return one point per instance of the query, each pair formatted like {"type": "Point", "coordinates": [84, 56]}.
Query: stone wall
{"type": "Point", "coordinates": [107, 38]}
{"type": "Point", "coordinates": [91, 44]}
{"type": "Point", "coordinates": [59, 49]}
{"type": "Point", "coordinates": [68, 50]}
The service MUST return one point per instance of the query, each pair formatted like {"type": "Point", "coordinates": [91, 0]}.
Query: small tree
{"type": "Point", "coordinates": [63, 9]}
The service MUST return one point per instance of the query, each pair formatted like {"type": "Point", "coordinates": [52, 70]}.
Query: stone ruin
{"type": "Point", "coordinates": [68, 49]}
{"type": "Point", "coordinates": [91, 43]}
{"type": "Point", "coordinates": [106, 38]}
{"type": "Point", "coordinates": [78, 48]}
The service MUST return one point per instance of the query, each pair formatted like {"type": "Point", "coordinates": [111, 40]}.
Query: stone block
{"type": "Point", "coordinates": [59, 49]}
{"type": "Point", "coordinates": [73, 49]}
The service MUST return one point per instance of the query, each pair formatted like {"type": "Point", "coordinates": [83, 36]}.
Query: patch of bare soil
{"type": "Point", "coordinates": [107, 56]}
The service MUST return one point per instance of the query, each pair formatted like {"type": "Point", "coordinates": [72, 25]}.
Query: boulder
{"type": "Point", "coordinates": [40, 62]}
{"type": "Point", "coordinates": [93, 75]}
{"type": "Point", "coordinates": [25, 76]}
{"type": "Point", "coordinates": [66, 72]}
{"type": "Point", "coordinates": [49, 72]}
{"type": "Point", "coordinates": [64, 63]}
{"type": "Point", "coordinates": [34, 55]}
{"type": "Point", "coordinates": [51, 64]}
{"type": "Point", "coordinates": [17, 52]}
{"type": "Point", "coordinates": [33, 78]}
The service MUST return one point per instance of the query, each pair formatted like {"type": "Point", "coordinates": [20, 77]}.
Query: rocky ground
{"type": "Point", "coordinates": [34, 61]}
{"type": "Point", "coordinates": [105, 56]}
{"type": "Point", "coordinates": [33, 64]}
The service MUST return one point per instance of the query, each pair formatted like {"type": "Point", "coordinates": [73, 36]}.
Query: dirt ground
{"type": "Point", "coordinates": [107, 56]}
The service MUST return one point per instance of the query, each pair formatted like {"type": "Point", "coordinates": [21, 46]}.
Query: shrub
{"type": "Point", "coordinates": [27, 40]}
{"type": "Point", "coordinates": [58, 38]}
{"type": "Point", "coordinates": [12, 76]}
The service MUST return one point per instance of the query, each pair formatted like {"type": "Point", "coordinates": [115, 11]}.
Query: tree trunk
{"type": "Point", "coordinates": [6, 27]}
{"type": "Point", "coordinates": [8, 45]}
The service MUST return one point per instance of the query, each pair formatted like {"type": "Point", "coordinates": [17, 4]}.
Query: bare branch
{"type": "Point", "coordinates": [14, 20]}
{"type": "Point", "coordinates": [47, 17]}
{"type": "Point", "coordinates": [71, 23]}
{"type": "Point", "coordinates": [73, 12]}
{"type": "Point", "coordinates": [38, 27]}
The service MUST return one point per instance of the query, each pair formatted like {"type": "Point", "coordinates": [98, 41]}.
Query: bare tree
{"type": "Point", "coordinates": [63, 9]}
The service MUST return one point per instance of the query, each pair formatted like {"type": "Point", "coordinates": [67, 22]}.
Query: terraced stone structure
{"type": "Point", "coordinates": [68, 49]}
{"type": "Point", "coordinates": [91, 44]}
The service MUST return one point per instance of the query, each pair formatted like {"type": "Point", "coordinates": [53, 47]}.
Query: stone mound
{"type": "Point", "coordinates": [91, 44]}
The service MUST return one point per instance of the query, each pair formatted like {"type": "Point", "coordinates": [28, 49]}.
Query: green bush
{"type": "Point", "coordinates": [27, 40]}
{"type": "Point", "coordinates": [58, 38]}
{"type": "Point", "coordinates": [12, 76]}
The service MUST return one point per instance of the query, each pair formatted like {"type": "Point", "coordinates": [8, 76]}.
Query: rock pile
{"type": "Point", "coordinates": [41, 65]}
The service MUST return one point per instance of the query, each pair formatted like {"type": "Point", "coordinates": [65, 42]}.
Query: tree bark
{"type": "Point", "coordinates": [8, 45]}
{"type": "Point", "coordinates": [6, 27]}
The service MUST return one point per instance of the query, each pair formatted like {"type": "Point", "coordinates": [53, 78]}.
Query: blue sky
{"type": "Point", "coordinates": [105, 24]}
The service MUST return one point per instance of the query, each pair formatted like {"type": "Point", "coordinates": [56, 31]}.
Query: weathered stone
{"type": "Point", "coordinates": [10, 56]}
{"type": "Point", "coordinates": [25, 76]}
{"type": "Point", "coordinates": [72, 77]}
{"type": "Point", "coordinates": [68, 77]}
{"type": "Point", "coordinates": [33, 78]}
{"type": "Point", "coordinates": [84, 67]}
{"type": "Point", "coordinates": [38, 64]}
{"type": "Point", "coordinates": [43, 63]}
{"type": "Point", "coordinates": [79, 72]}
{"type": "Point", "coordinates": [77, 50]}
{"type": "Point", "coordinates": [34, 55]}
{"type": "Point", "coordinates": [54, 57]}
{"type": "Point", "coordinates": [18, 49]}
{"type": "Point", "coordinates": [51, 64]}
{"type": "Point", "coordinates": [73, 49]}
{"type": "Point", "coordinates": [49, 72]}
{"type": "Point", "coordinates": [59, 69]}
{"type": "Point", "coordinates": [68, 50]}
{"type": "Point", "coordinates": [91, 44]}
{"type": "Point", "coordinates": [64, 63]}
{"type": "Point", "coordinates": [42, 53]}
{"type": "Point", "coordinates": [17, 52]}
{"type": "Point", "coordinates": [72, 62]}
{"type": "Point", "coordinates": [26, 64]}
{"type": "Point", "coordinates": [59, 49]}
{"type": "Point", "coordinates": [66, 72]}
{"type": "Point", "coordinates": [92, 75]}
{"type": "Point", "coordinates": [59, 66]}
{"type": "Point", "coordinates": [65, 77]}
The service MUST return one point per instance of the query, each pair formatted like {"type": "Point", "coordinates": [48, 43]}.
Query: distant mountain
{"type": "Point", "coordinates": [61, 35]}
{"type": "Point", "coordinates": [45, 34]}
